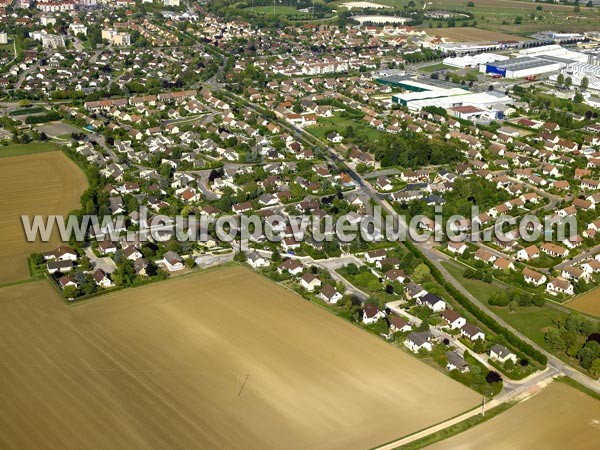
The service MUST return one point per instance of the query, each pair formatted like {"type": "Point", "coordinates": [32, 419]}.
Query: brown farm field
{"type": "Point", "coordinates": [225, 359]}
{"type": "Point", "coordinates": [43, 183]}
{"type": "Point", "coordinates": [464, 34]}
{"type": "Point", "coordinates": [588, 303]}
{"type": "Point", "coordinates": [558, 418]}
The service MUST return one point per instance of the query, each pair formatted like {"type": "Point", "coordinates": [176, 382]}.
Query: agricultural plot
{"type": "Point", "coordinates": [500, 15]}
{"type": "Point", "coordinates": [7, 151]}
{"type": "Point", "coordinates": [470, 34]}
{"type": "Point", "coordinates": [43, 183]}
{"type": "Point", "coordinates": [278, 10]}
{"type": "Point", "coordinates": [588, 303]}
{"type": "Point", "coordinates": [225, 359]}
{"type": "Point", "coordinates": [559, 417]}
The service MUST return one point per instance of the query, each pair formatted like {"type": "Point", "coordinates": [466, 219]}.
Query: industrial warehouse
{"type": "Point", "coordinates": [484, 106]}
{"type": "Point", "coordinates": [534, 61]}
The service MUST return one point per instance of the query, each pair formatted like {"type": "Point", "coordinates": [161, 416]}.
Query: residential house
{"type": "Point", "coordinates": [292, 266]}
{"type": "Point", "coordinates": [256, 261]}
{"type": "Point", "coordinates": [371, 314]}
{"type": "Point", "coordinates": [417, 341]}
{"type": "Point", "coordinates": [432, 301]}
{"type": "Point", "coordinates": [457, 247]}
{"type": "Point", "coordinates": [330, 294]}
{"type": "Point", "coordinates": [559, 286]}
{"type": "Point", "coordinates": [501, 354]}
{"type": "Point", "coordinates": [472, 332]}
{"type": "Point", "coordinates": [310, 282]}
{"type": "Point", "coordinates": [62, 253]}
{"type": "Point", "coordinates": [102, 279]}
{"type": "Point", "coordinates": [173, 261]}
{"type": "Point", "coordinates": [399, 325]}
{"type": "Point", "coordinates": [532, 277]}
{"type": "Point", "coordinates": [375, 255]}
{"type": "Point", "coordinates": [452, 318]}
{"type": "Point", "coordinates": [456, 362]}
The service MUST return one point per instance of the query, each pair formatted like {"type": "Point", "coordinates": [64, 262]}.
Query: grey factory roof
{"type": "Point", "coordinates": [525, 62]}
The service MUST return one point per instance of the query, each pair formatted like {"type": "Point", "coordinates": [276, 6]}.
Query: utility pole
{"type": "Point", "coordinates": [483, 407]}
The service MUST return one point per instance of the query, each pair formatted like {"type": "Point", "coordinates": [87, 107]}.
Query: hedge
{"type": "Point", "coordinates": [510, 337]}
{"type": "Point", "coordinates": [50, 116]}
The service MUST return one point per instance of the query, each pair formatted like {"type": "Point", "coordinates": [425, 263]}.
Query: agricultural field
{"type": "Point", "coordinates": [278, 10]}
{"type": "Point", "coordinates": [359, 5]}
{"type": "Point", "coordinates": [10, 150]}
{"type": "Point", "coordinates": [222, 359]}
{"type": "Point", "coordinates": [500, 15]}
{"type": "Point", "coordinates": [43, 183]}
{"type": "Point", "coordinates": [464, 34]}
{"type": "Point", "coordinates": [559, 417]}
{"type": "Point", "coordinates": [588, 303]}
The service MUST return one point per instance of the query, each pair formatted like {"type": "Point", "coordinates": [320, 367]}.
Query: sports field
{"type": "Point", "coordinates": [558, 418]}
{"type": "Point", "coordinates": [42, 183]}
{"type": "Point", "coordinates": [224, 359]}
{"type": "Point", "coordinates": [587, 303]}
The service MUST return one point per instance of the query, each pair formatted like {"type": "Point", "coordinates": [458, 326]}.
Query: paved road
{"type": "Point", "coordinates": [209, 260]}
{"type": "Point", "coordinates": [106, 263]}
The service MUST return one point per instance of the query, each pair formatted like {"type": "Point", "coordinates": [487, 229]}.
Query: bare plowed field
{"type": "Point", "coordinates": [45, 183]}
{"type": "Point", "coordinates": [469, 34]}
{"type": "Point", "coordinates": [558, 418]}
{"type": "Point", "coordinates": [588, 303]}
{"type": "Point", "coordinates": [222, 360]}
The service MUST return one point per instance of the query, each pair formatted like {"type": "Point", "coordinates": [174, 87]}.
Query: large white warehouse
{"type": "Point", "coordinates": [523, 67]}
{"type": "Point", "coordinates": [473, 60]}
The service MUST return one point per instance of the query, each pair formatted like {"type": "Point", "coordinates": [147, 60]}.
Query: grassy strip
{"type": "Point", "coordinates": [457, 428]}
{"type": "Point", "coordinates": [580, 387]}
{"type": "Point", "coordinates": [24, 281]}
{"type": "Point", "coordinates": [26, 149]}
{"type": "Point", "coordinates": [480, 289]}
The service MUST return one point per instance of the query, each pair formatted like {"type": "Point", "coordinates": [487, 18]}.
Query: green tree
{"type": "Point", "coordinates": [70, 292]}
{"type": "Point", "coordinates": [276, 256]}
{"type": "Point", "coordinates": [125, 273]}
{"type": "Point", "coordinates": [554, 340]}
{"type": "Point", "coordinates": [568, 82]}
{"type": "Point", "coordinates": [560, 79]}
{"type": "Point", "coordinates": [585, 82]}
{"type": "Point", "coordinates": [421, 273]}
{"type": "Point", "coordinates": [479, 346]}
{"type": "Point", "coordinates": [351, 269]}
